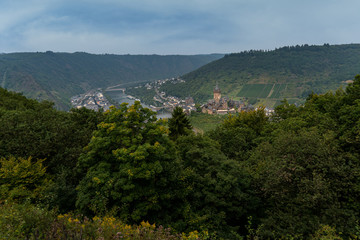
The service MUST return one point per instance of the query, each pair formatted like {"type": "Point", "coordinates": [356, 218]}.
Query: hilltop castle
{"type": "Point", "coordinates": [222, 105]}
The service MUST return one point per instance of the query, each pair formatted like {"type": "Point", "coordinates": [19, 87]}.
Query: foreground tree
{"type": "Point", "coordinates": [239, 134]}
{"type": "Point", "coordinates": [22, 179]}
{"type": "Point", "coordinates": [304, 178]}
{"type": "Point", "coordinates": [218, 193]}
{"type": "Point", "coordinates": [30, 128]}
{"type": "Point", "coordinates": [307, 166]}
{"type": "Point", "coordinates": [130, 168]}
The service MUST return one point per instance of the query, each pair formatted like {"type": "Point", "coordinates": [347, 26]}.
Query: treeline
{"type": "Point", "coordinates": [305, 69]}
{"type": "Point", "coordinates": [294, 175]}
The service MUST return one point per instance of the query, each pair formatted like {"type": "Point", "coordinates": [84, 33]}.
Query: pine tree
{"type": "Point", "coordinates": [179, 123]}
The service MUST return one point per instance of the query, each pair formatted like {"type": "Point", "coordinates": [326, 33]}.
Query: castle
{"type": "Point", "coordinates": [222, 105]}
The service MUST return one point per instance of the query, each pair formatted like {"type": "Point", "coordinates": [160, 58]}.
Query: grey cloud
{"type": "Point", "coordinates": [169, 26]}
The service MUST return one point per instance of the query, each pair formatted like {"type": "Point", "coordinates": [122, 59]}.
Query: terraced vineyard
{"type": "Point", "coordinates": [267, 77]}
{"type": "Point", "coordinates": [266, 91]}
{"type": "Point", "coordinates": [278, 90]}
{"type": "Point", "coordinates": [271, 94]}
{"type": "Point", "coordinates": [254, 90]}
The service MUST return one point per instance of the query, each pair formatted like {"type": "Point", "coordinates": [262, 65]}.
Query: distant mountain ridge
{"type": "Point", "coordinates": [267, 77]}
{"type": "Point", "coordinates": [58, 76]}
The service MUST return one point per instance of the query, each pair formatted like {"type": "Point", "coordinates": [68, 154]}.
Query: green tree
{"type": "Point", "coordinates": [218, 193]}
{"type": "Point", "coordinates": [179, 124]}
{"type": "Point", "coordinates": [130, 167]}
{"type": "Point", "coordinates": [239, 134]}
{"type": "Point", "coordinates": [349, 118]}
{"type": "Point", "coordinates": [285, 110]}
{"type": "Point", "coordinates": [79, 125]}
{"type": "Point", "coordinates": [198, 107]}
{"type": "Point", "coordinates": [29, 128]}
{"type": "Point", "coordinates": [235, 142]}
{"type": "Point", "coordinates": [325, 232]}
{"type": "Point", "coordinates": [26, 221]}
{"type": "Point", "coordinates": [22, 179]}
{"type": "Point", "coordinates": [303, 177]}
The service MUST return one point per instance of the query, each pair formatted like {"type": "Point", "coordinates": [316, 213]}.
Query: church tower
{"type": "Point", "coordinates": [217, 93]}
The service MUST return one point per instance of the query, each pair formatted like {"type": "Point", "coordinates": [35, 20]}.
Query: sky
{"type": "Point", "coordinates": [174, 27]}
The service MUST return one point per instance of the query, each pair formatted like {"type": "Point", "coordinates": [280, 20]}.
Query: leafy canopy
{"type": "Point", "coordinates": [21, 179]}
{"type": "Point", "coordinates": [129, 166]}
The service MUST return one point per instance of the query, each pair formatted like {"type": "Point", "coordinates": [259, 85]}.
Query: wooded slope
{"type": "Point", "coordinates": [270, 76]}
{"type": "Point", "coordinates": [58, 76]}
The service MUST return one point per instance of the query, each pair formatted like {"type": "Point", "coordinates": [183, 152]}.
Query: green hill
{"type": "Point", "coordinates": [267, 77]}
{"type": "Point", "coordinates": [58, 76]}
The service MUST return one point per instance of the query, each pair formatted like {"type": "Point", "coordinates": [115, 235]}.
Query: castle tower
{"type": "Point", "coordinates": [217, 93]}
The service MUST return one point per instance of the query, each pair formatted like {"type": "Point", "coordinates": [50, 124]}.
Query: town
{"type": "Point", "coordinates": [168, 103]}
{"type": "Point", "coordinates": [217, 105]}
{"type": "Point", "coordinates": [93, 99]}
{"type": "Point", "coordinates": [96, 100]}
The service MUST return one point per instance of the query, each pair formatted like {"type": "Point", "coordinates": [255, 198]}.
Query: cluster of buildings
{"type": "Point", "coordinates": [187, 105]}
{"type": "Point", "coordinates": [223, 105]}
{"type": "Point", "coordinates": [217, 105]}
{"type": "Point", "coordinates": [168, 103]}
{"type": "Point", "coordinates": [94, 100]}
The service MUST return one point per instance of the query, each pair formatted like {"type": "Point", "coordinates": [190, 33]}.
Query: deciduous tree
{"type": "Point", "coordinates": [130, 167]}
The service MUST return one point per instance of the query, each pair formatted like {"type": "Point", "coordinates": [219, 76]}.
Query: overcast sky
{"type": "Point", "coordinates": [174, 27]}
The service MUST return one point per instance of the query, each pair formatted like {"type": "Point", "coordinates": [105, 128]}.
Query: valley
{"type": "Point", "coordinates": [255, 77]}
{"type": "Point", "coordinates": [59, 76]}
{"type": "Point", "coordinates": [231, 159]}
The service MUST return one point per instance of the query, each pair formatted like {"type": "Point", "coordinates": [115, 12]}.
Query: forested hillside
{"type": "Point", "coordinates": [58, 76]}
{"type": "Point", "coordinates": [123, 174]}
{"type": "Point", "coordinates": [270, 76]}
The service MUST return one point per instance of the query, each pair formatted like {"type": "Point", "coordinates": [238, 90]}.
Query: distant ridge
{"type": "Point", "coordinates": [267, 77]}
{"type": "Point", "coordinates": [58, 76]}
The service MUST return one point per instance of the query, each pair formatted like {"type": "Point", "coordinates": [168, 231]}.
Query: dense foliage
{"type": "Point", "coordinates": [270, 76]}
{"type": "Point", "coordinates": [130, 168]}
{"type": "Point", "coordinates": [293, 175]}
{"type": "Point", "coordinates": [30, 222]}
{"type": "Point", "coordinates": [59, 76]}
{"type": "Point", "coordinates": [32, 129]}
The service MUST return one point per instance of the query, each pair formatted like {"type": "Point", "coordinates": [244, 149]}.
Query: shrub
{"type": "Point", "coordinates": [26, 221]}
